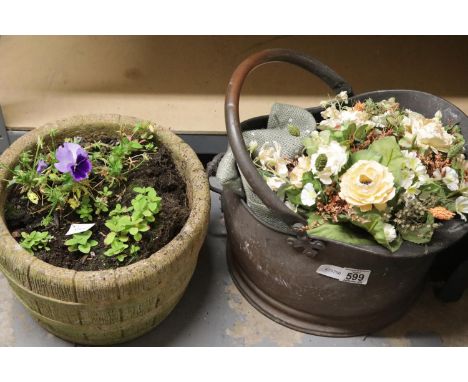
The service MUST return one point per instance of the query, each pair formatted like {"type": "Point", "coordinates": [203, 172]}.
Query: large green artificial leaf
{"type": "Point", "coordinates": [385, 151]}
{"type": "Point", "coordinates": [422, 235]}
{"type": "Point", "coordinates": [434, 188]}
{"type": "Point", "coordinates": [373, 223]}
{"type": "Point", "coordinates": [391, 154]}
{"type": "Point", "coordinates": [339, 232]}
{"type": "Point", "coordinates": [365, 155]}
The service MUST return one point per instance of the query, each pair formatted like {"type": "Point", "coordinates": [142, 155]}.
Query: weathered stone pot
{"type": "Point", "coordinates": [109, 306]}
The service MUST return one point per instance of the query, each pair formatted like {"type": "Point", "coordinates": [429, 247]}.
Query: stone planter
{"type": "Point", "coordinates": [109, 306]}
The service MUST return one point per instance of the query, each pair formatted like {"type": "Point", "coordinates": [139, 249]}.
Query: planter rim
{"type": "Point", "coordinates": [160, 258]}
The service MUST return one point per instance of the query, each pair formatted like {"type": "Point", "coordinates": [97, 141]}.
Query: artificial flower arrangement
{"type": "Point", "coordinates": [372, 167]}
{"type": "Point", "coordinates": [92, 204]}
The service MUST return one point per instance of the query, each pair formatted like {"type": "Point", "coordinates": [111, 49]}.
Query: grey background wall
{"type": "Point", "coordinates": [180, 81]}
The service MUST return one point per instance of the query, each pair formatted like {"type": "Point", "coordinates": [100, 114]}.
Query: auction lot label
{"type": "Point", "coordinates": [347, 275]}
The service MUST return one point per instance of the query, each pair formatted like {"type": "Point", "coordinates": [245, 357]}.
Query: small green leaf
{"type": "Point", "coordinates": [84, 248]}
{"type": "Point", "coordinates": [361, 133]}
{"type": "Point", "coordinates": [33, 197]}
{"type": "Point", "coordinates": [109, 238]}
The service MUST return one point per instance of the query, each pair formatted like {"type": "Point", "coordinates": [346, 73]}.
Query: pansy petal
{"type": "Point", "coordinates": [82, 168]}
{"type": "Point", "coordinates": [74, 149]}
{"type": "Point", "coordinates": [41, 166]}
{"type": "Point", "coordinates": [64, 167]}
{"type": "Point", "coordinates": [64, 155]}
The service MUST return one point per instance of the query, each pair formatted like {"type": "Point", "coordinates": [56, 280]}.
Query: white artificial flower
{"type": "Point", "coordinates": [308, 195]}
{"type": "Point", "coordinates": [270, 158]}
{"type": "Point", "coordinates": [413, 190]}
{"type": "Point", "coordinates": [413, 168]}
{"type": "Point", "coordinates": [381, 119]}
{"type": "Point", "coordinates": [321, 138]}
{"type": "Point", "coordinates": [425, 132]}
{"type": "Point", "coordinates": [464, 188]}
{"type": "Point", "coordinates": [413, 162]}
{"type": "Point", "coordinates": [303, 166]}
{"type": "Point", "coordinates": [389, 104]}
{"type": "Point", "coordinates": [412, 121]}
{"type": "Point", "coordinates": [252, 146]}
{"type": "Point", "coordinates": [407, 177]}
{"type": "Point", "coordinates": [343, 96]}
{"type": "Point", "coordinates": [269, 154]}
{"type": "Point", "coordinates": [325, 176]}
{"type": "Point", "coordinates": [334, 118]}
{"type": "Point", "coordinates": [435, 136]}
{"type": "Point", "coordinates": [303, 162]}
{"type": "Point", "coordinates": [281, 167]}
{"type": "Point", "coordinates": [330, 112]}
{"type": "Point", "coordinates": [389, 232]}
{"type": "Point", "coordinates": [408, 140]}
{"type": "Point", "coordinates": [450, 177]}
{"type": "Point", "coordinates": [295, 176]}
{"type": "Point", "coordinates": [461, 206]}
{"type": "Point", "coordinates": [337, 157]}
{"type": "Point", "coordinates": [423, 179]}
{"type": "Point", "coordinates": [275, 182]}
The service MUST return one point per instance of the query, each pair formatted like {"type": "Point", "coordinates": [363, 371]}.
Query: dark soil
{"type": "Point", "coordinates": [159, 172]}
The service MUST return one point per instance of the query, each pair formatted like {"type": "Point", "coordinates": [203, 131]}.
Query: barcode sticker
{"type": "Point", "coordinates": [347, 275]}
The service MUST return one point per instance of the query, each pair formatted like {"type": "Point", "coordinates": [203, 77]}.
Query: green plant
{"type": "Point", "coordinates": [101, 201]}
{"type": "Point", "coordinates": [131, 221]}
{"type": "Point", "coordinates": [85, 211]}
{"type": "Point", "coordinates": [146, 204]}
{"type": "Point", "coordinates": [81, 242]}
{"type": "Point", "coordinates": [24, 174]}
{"type": "Point", "coordinates": [35, 241]}
{"type": "Point", "coordinates": [126, 224]}
{"type": "Point", "coordinates": [117, 245]}
{"type": "Point", "coordinates": [76, 177]}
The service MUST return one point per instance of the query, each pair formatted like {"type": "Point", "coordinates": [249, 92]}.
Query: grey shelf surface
{"type": "Point", "coordinates": [213, 313]}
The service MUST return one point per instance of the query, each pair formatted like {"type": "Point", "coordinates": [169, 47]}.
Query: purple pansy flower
{"type": "Point", "coordinates": [73, 159]}
{"type": "Point", "coordinates": [41, 166]}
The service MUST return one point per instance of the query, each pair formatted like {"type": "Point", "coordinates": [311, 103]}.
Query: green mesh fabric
{"type": "Point", "coordinates": [281, 118]}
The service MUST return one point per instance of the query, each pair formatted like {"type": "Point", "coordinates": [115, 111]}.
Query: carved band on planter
{"type": "Point", "coordinates": [109, 306]}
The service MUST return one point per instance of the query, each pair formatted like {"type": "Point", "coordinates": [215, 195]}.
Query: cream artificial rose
{"type": "Point", "coordinates": [426, 132]}
{"type": "Point", "coordinates": [367, 183]}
